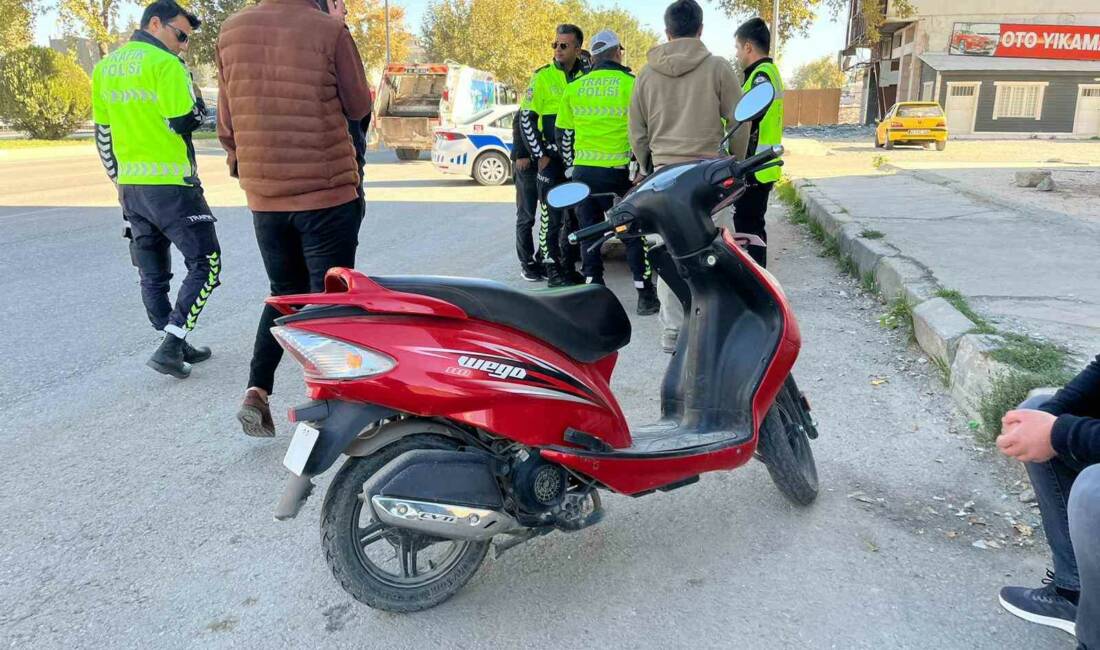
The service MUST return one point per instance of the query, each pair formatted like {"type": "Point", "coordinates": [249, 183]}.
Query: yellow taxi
{"type": "Point", "coordinates": [913, 123]}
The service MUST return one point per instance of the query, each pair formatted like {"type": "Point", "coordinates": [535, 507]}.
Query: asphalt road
{"type": "Point", "coordinates": [136, 514]}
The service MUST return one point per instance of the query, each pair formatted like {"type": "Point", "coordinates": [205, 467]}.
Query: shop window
{"type": "Point", "coordinates": [1019, 100]}
{"type": "Point", "coordinates": [926, 91]}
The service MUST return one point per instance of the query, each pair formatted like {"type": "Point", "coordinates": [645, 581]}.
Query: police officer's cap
{"type": "Point", "coordinates": [604, 41]}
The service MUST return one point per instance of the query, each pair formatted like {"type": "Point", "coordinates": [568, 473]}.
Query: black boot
{"type": "Point", "coordinates": [168, 359]}
{"type": "Point", "coordinates": [595, 279]}
{"type": "Point", "coordinates": [191, 354]}
{"type": "Point", "coordinates": [648, 303]}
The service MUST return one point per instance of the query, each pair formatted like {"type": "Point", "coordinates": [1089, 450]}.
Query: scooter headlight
{"type": "Point", "coordinates": [325, 358]}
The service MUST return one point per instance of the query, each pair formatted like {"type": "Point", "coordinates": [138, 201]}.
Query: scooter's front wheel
{"type": "Point", "coordinates": [388, 568]}
{"type": "Point", "coordinates": [784, 447]}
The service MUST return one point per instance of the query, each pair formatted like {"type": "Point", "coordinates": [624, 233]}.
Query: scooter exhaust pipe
{"type": "Point", "coordinates": [441, 493]}
{"type": "Point", "coordinates": [442, 519]}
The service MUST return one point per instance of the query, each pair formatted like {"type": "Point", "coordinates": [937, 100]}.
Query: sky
{"type": "Point", "coordinates": [825, 37]}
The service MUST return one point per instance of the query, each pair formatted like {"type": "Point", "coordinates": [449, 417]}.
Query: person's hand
{"type": "Point", "coordinates": [1025, 436]}
{"type": "Point", "coordinates": [337, 8]}
{"type": "Point", "coordinates": [544, 162]}
{"type": "Point", "coordinates": [523, 164]}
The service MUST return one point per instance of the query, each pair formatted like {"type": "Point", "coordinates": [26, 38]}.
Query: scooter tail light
{"type": "Point", "coordinates": [325, 358]}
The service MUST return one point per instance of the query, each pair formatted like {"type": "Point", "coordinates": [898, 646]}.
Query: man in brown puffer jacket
{"type": "Point", "coordinates": [292, 100]}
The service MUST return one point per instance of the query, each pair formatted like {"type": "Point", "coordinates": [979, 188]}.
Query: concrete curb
{"type": "Point", "coordinates": [941, 330]}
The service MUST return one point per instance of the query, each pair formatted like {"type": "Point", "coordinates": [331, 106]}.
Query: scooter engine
{"type": "Point", "coordinates": [537, 485]}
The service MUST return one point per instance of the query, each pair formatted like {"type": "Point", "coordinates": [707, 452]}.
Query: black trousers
{"type": "Point", "coordinates": [527, 200]}
{"type": "Point", "coordinates": [748, 217]}
{"type": "Point", "coordinates": [298, 248]}
{"type": "Point", "coordinates": [617, 181]}
{"type": "Point", "coordinates": [161, 216]}
{"type": "Point", "coordinates": [553, 223]}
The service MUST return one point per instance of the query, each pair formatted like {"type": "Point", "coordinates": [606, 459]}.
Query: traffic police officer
{"type": "Point", "coordinates": [594, 141]}
{"type": "Point", "coordinates": [145, 108]}
{"type": "Point", "coordinates": [753, 45]}
{"type": "Point", "coordinates": [538, 115]}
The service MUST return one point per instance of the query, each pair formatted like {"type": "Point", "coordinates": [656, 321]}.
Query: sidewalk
{"type": "Point", "coordinates": [1025, 269]}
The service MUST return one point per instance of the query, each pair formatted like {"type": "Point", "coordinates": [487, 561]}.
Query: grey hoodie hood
{"type": "Point", "coordinates": [678, 57]}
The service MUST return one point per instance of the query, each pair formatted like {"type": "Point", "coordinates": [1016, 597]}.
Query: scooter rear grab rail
{"type": "Point", "coordinates": [351, 288]}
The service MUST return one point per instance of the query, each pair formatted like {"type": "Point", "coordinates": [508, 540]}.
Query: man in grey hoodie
{"type": "Point", "coordinates": [679, 102]}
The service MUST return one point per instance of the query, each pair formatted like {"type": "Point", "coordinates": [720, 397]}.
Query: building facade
{"type": "Point", "coordinates": [998, 67]}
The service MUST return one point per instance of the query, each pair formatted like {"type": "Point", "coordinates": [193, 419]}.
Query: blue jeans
{"type": "Point", "coordinates": [1069, 501]}
{"type": "Point", "coordinates": [1084, 529]}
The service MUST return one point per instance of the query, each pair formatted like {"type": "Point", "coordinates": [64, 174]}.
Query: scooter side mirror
{"type": "Point", "coordinates": [754, 103]}
{"type": "Point", "coordinates": [567, 195]}
{"type": "Point", "coordinates": [751, 106]}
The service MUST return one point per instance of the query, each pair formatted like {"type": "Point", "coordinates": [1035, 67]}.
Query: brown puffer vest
{"type": "Point", "coordinates": [278, 75]}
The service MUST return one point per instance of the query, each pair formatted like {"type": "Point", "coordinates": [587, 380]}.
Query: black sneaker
{"type": "Point", "coordinates": [168, 359]}
{"type": "Point", "coordinates": [532, 274]}
{"type": "Point", "coordinates": [573, 277]}
{"type": "Point", "coordinates": [648, 303]}
{"type": "Point", "coordinates": [192, 354]}
{"type": "Point", "coordinates": [554, 277]}
{"type": "Point", "coordinates": [1044, 605]}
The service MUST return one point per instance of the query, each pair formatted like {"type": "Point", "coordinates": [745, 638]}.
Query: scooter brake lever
{"type": "Point", "coordinates": [600, 242]}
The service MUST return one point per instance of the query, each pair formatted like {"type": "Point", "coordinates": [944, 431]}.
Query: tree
{"type": "Point", "coordinates": [94, 19]}
{"type": "Point", "coordinates": [512, 38]}
{"type": "Point", "coordinates": [16, 23]}
{"type": "Point", "coordinates": [367, 22]}
{"type": "Point", "coordinates": [797, 16]}
{"type": "Point", "coordinates": [636, 39]}
{"type": "Point", "coordinates": [819, 73]}
{"type": "Point", "coordinates": [202, 49]}
{"type": "Point", "coordinates": [44, 93]}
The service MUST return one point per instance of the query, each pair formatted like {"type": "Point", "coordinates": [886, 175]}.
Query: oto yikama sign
{"type": "Point", "coordinates": [1081, 42]}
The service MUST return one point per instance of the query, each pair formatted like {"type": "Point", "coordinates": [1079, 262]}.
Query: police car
{"type": "Point", "coordinates": [480, 147]}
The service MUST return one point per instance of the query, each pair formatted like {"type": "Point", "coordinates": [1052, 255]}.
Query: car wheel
{"type": "Point", "coordinates": [878, 145]}
{"type": "Point", "coordinates": [941, 145]}
{"type": "Point", "coordinates": [492, 168]}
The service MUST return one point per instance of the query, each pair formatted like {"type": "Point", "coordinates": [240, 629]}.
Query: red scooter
{"type": "Point", "coordinates": [469, 410]}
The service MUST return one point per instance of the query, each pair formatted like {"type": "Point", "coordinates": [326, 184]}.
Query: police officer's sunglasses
{"type": "Point", "coordinates": [181, 35]}
{"type": "Point", "coordinates": [559, 46]}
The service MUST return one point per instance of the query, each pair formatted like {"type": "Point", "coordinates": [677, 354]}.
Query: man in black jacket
{"type": "Point", "coordinates": [1058, 440]}
{"type": "Point", "coordinates": [527, 199]}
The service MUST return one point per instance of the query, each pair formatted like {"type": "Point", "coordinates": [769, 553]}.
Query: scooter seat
{"type": "Point", "coordinates": [586, 322]}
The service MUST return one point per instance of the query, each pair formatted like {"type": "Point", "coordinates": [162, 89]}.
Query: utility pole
{"type": "Point", "coordinates": [387, 31]}
{"type": "Point", "coordinates": [775, 29]}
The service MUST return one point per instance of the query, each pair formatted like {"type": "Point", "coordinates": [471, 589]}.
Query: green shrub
{"type": "Point", "coordinates": [43, 93]}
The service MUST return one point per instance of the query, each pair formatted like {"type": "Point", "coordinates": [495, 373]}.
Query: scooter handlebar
{"type": "Point", "coordinates": [751, 163]}
{"type": "Point", "coordinates": [595, 229]}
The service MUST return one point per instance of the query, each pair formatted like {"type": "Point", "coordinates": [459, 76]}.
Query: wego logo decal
{"type": "Point", "coordinates": [494, 368]}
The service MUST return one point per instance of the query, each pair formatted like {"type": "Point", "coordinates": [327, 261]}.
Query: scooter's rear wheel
{"type": "Point", "coordinates": [785, 447]}
{"type": "Point", "coordinates": [389, 568]}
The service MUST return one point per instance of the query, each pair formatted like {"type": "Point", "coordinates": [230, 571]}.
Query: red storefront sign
{"type": "Point", "coordinates": [1079, 42]}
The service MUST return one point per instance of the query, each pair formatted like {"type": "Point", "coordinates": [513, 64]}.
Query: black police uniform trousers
{"type": "Point", "coordinates": [527, 200]}
{"type": "Point", "coordinates": [298, 249]}
{"type": "Point", "coordinates": [554, 223]}
{"type": "Point", "coordinates": [160, 216]}
{"type": "Point", "coordinates": [748, 217]}
{"type": "Point", "coordinates": [591, 211]}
